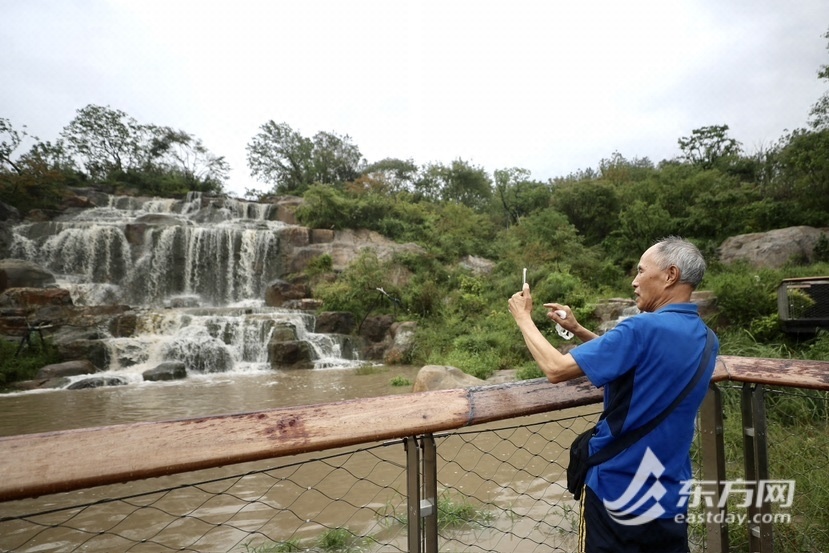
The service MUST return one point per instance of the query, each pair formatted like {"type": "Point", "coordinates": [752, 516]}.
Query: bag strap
{"type": "Point", "coordinates": [628, 439]}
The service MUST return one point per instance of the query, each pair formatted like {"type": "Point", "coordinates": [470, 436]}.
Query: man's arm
{"type": "Point", "coordinates": [557, 367]}
{"type": "Point", "coordinates": [569, 322]}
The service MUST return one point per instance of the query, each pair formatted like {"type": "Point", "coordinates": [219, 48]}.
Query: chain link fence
{"type": "Point", "coordinates": [501, 488]}
{"type": "Point", "coordinates": [796, 436]}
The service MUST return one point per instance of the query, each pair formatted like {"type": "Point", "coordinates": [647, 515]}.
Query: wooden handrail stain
{"type": "Point", "coordinates": [52, 462]}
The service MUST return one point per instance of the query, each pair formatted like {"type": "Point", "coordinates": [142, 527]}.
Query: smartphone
{"type": "Point", "coordinates": [525, 275]}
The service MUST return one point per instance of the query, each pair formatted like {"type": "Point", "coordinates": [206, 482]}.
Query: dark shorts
{"type": "Point", "coordinates": [599, 533]}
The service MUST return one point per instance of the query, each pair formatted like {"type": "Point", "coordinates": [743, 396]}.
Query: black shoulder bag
{"type": "Point", "coordinates": [580, 458]}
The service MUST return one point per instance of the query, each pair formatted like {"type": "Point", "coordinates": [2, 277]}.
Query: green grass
{"type": "Point", "coordinates": [400, 381]}
{"type": "Point", "coordinates": [32, 358]}
{"type": "Point", "coordinates": [797, 430]}
{"type": "Point", "coordinates": [290, 546]}
{"type": "Point", "coordinates": [452, 513]}
{"type": "Point", "coordinates": [365, 370]}
{"type": "Point", "coordinates": [340, 540]}
{"type": "Point", "coordinates": [333, 540]}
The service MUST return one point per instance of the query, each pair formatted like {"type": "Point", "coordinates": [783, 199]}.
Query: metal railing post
{"type": "Point", "coordinates": [413, 492]}
{"type": "Point", "coordinates": [712, 456]}
{"type": "Point", "coordinates": [429, 501]}
{"type": "Point", "coordinates": [755, 452]}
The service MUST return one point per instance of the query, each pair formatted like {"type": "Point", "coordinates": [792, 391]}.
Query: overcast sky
{"type": "Point", "coordinates": [551, 86]}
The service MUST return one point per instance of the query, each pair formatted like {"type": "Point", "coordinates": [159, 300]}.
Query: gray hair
{"type": "Point", "coordinates": [685, 256]}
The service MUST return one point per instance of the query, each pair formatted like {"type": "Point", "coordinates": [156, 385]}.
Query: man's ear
{"type": "Point", "coordinates": [672, 275]}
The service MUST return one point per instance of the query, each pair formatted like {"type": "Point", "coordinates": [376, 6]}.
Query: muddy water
{"type": "Point", "coordinates": [242, 506]}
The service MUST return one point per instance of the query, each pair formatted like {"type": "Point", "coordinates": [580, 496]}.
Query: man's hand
{"type": "Point", "coordinates": [568, 322]}
{"type": "Point", "coordinates": [521, 303]}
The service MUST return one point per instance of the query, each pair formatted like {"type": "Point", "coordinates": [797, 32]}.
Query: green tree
{"type": "Point", "coordinates": [35, 179]}
{"type": "Point", "coordinates": [390, 176]}
{"type": "Point", "coordinates": [708, 145]}
{"type": "Point", "coordinates": [519, 195]}
{"type": "Point", "coordinates": [820, 111]}
{"type": "Point", "coordinates": [804, 174]}
{"type": "Point", "coordinates": [280, 156]}
{"type": "Point", "coordinates": [181, 153]}
{"type": "Point", "coordinates": [290, 162]}
{"type": "Point", "coordinates": [115, 148]}
{"type": "Point", "coordinates": [106, 141]}
{"type": "Point", "coordinates": [593, 207]}
{"type": "Point", "coordinates": [460, 183]}
{"type": "Point", "coordinates": [335, 159]}
{"type": "Point", "coordinates": [10, 141]}
{"type": "Point", "coordinates": [640, 225]}
{"type": "Point", "coordinates": [618, 170]}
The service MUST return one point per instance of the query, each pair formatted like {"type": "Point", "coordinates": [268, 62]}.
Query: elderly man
{"type": "Point", "coordinates": [633, 501]}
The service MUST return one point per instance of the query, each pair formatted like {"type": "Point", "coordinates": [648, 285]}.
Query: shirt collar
{"type": "Point", "coordinates": [689, 308]}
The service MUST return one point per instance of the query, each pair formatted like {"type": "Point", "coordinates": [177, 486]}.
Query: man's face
{"type": "Point", "coordinates": [649, 283]}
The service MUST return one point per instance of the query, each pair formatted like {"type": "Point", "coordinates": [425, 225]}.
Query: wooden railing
{"type": "Point", "coordinates": [38, 464]}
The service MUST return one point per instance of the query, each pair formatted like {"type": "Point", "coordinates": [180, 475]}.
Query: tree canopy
{"type": "Point", "coordinates": [280, 156]}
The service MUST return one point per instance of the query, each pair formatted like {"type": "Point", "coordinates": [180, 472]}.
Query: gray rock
{"type": "Point", "coordinates": [336, 322]}
{"type": "Point", "coordinates": [169, 370]}
{"type": "Point", "coordinates": [9, 213]}
{"type": "Point", "coordinates": [25, 274]}
{"type": "Point", "coordinates": [436, 377]}
{"type": "Point", "coordinates": [278, 292]}
{"type": "Point", "coordinates": [290, 355]}
{"type": "Point", "coordinates": [6, 239]}
{"type": "Point", "coordinates": [344, 246]}
{"type": "Point", "coordinates": [772, 249]}
{"type": "Point", "coordinates": [67, 368]}
{"type": "Point", "coordinates": [403, 335]}
{"type": "Point", "coordinates": [95, 351]}
{"type": "Point", "coordinates": [97, 382]}
{"type": "Point", "coordinates": [478, 266]}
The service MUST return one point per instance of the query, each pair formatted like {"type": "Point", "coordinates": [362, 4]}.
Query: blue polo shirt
{"type": "Point", "coordinates": [644, 363]}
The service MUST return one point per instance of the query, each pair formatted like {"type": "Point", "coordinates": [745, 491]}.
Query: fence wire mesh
{"type": "Point", "coordinates": [797, 436]}
{"type": "Point", "coordinates": [504, 488]}
{"type": "Point", "coordinates": [340, 502]}
{"type": "Point", "coordinates": [501, 488]}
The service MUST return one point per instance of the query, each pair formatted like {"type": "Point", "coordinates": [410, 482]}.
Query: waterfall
{"type": "Point", "coordinates": [195, 268]}
{"type": "Point", "coordinates": [153, 249]}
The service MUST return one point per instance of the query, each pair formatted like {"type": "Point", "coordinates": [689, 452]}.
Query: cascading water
{"type": "Point", "coordinates": [195, 270]}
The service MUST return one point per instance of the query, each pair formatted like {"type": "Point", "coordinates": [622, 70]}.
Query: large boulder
{"type": "Point", "coordinates": [336, 322]}
{"type": "Point", "coordinates": [436, 377]}
{"type": "Point", "coordinates": [97, 382]}
{"type": "Point", "coordinates": [343, 246]}
{"type": "Point", "coordinates": [17, 273]}
{"type": "Point", "coordinates": [68, 368]}
{"type": "Point", "coordinates": [284, 209]}
{"type": "Point", "coordinates": [279, 292]}
{"type": "Point", "coordinates": [9, 213]}
{"type": "Point", "coordinates": [33, 298]}
{"type": "Point", "coordinates": [403, 340]}
{"type": "Point", "coordinates": [478, 266]}
{"type": "Point", "coordinates": [295, 354]}
{"type": "Point", "coordinates": [772, 249]}
{"type": "Point", "coordinates": [169, 370]}
{"type": "Point", "coordinates": [6, 239]}
{"type": "Point", "coordinates": [95, 351]}
{"type": "Point", "coordinates": [375, 331]}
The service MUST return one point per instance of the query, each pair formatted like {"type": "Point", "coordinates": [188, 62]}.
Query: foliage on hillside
{"type": "Point", "coordinates": [579, 235]}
